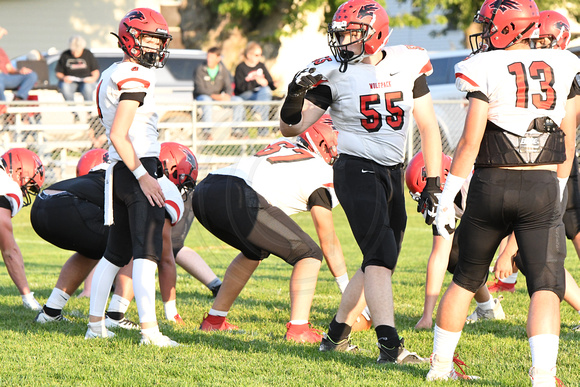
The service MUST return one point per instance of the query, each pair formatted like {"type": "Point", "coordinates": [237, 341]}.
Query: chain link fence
{"type": "Point", "coordinates": [219, 133]}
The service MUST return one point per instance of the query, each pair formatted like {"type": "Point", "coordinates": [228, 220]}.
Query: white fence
{"type": "Point", "coordinates": [59, 133]}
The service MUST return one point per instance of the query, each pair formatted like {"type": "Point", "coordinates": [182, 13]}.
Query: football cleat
{"type": "Point", "coordinates": [216, 323]}
{"type": "Point", "coordinates": [496, 313]}
{"type": "Point", "coordinates": [541, 377]}
{"type": "Point", "coordinates": [123, 323]}
{"type": "Point", "coordinates": [398, 355]}
{"type": "Point", "coordinates": [94, 335]}
{"type": "Point", "coordinates": [302, 333]}
{"type": "Point", "coordinates": [502, 287]}
{"type": "Point", "coordinates": [159, 340]}
{"type": "Point", "coordinates": [31, 303]}
{"type": "Point", "coordinates": [445, 370]}
{"type": "Point", "coordinates": [43, 318]}
{"type": "Point", "coordinates": [344, 345]}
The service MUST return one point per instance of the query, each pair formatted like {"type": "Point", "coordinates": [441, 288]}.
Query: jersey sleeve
{"type": "Point", "coordinates": [173, 200]}
{"type": "Point", "coordinates": [11, 191]}
{"type": "Point", "coordinates": [133, 79]}
{"type": "Point", "coordinates": [466, 76]}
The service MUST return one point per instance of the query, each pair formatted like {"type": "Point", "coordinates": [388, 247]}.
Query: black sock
{"type": "Point", "coordinates": [51, 312]}
{"type": "Point", "coordinates": [116, 315]}
{"type": "Point", "coordinates": [388, 336]}
{"type": "Point", "coordinates": [338, 331]}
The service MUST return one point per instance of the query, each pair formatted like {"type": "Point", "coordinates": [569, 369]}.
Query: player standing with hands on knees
{"type": "Point", "coordinates": [520, 134]}
{"type": "Point", "coordinates": [126, 105]}
{"type": "Point", "coordinates": [371, 90]}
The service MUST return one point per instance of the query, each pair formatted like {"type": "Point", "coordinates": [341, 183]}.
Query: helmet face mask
{"type": "Point", "coordinates": [26, 169]}
{"type": "Point", "coordinates": [359, 29]}
{"type": "Point", "coordinates": [143, 36]}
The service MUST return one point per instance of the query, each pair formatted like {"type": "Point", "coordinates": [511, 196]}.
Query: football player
{"type": "Point", "coordinates": [520, 136]}
{"type": "Point", "coordinates": [21, 175]}
{"type": "Point", "coordinates": [554, 34]}
{"type": "Point", "coordinates": [126, 104]}
{"type": "Point", "coordinates": [248, 206]}
{"type": "Point", "coordinates": [372, 90]}
{"type": "Point", "coordinates": [444, 252]}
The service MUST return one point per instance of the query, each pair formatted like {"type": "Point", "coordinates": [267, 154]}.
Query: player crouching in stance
{"type": "Point", "coordinates": [21, 175]}
{"type": "Point", "coordinates": [248, 206]}
{"type": "Point", "coordinates": [126, 105]}
{"type": "Point", "coordinates": [520, 137]}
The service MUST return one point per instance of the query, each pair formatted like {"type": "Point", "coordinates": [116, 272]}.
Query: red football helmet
{"type": "Point", "coordinates": [365, 19]}
{"type": "Point", "coordinates": [179, 165]}
{"type": "Point", "coordinates": [416, 175]}
{"type": "Point", "coordinates": [556, 27]}
{"type": "Point", "coordinates": [26, 169]}
{"type": "Point", "coordinates": [91, 159]}
{"type": "Point", "coordinates": [144, 22]}
{"type": "Point", "coordinates": [320, 138]}
{"type": "Point", "coordinates": [504, 23]}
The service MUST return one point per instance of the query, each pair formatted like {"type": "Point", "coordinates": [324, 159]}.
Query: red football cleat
{"type": "Point", "coordinates": [302, 333]}
{"type": "Point", "coordinates": [177, 319]}
{"type": "Point", "coordinates": [502, 287]}
{"type": "Point", "coordinates": [216, 323]}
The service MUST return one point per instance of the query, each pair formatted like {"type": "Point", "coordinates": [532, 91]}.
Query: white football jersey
{"type": "Point", "coordinates": [285, 175]}
{"type": "Point", "coordinates": [173, 199]}
{"type": "Point", "coordinates": [521, 85]}
{"type": "Point", "coordinates": [11, 191]}
{"type": "Point", "coordinates": [119, 78]}
{"type": "Point", "coordinates": [372, 105]}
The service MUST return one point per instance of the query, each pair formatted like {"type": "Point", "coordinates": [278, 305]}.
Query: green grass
{"type": "Point", "coordinates": [57, 354]}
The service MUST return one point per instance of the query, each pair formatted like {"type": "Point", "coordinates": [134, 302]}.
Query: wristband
{"type": "Point", "coordinates": [139, 172]}
{"type": "Point", "coordinates": [452, 186]}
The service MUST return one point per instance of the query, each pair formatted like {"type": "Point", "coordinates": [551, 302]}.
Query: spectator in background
{"type": "Point", "coordinates": [252, 80]}
{"type": "Point", "coordinates": [22, 80]}
{"type": "Point", "coordinates": [213, 82]}
{"type": "Point", "coordinates": [77, 70]}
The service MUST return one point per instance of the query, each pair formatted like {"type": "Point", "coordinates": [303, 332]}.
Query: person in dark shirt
{"type": "Point", "coordinates": [77, 70]}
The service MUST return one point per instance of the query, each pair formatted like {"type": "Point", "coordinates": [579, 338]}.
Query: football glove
{"type": "Point", "coordinates": [445, 218]}
{"type": "Point", "coordinates": [429, 199]}
{"type": "Point", "coordinates": [303, 81]}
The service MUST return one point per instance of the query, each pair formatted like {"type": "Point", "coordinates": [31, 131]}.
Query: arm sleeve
{"type": "Point", "coordinates": [5, 203]}
{"type": "Point", "coordinates": [268, 77]}
{"type": "Point", "coordinates": [139, 97]}
{"type": "Point", "coordinates": [320, 197]}
{"type": "Point", "coordinates": [420, 88]}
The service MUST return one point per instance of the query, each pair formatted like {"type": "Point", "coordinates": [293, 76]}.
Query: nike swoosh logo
{"type": "Point", "coordinates": [366, 171]}
{"type": "Point", "coordinates": [395, 73]}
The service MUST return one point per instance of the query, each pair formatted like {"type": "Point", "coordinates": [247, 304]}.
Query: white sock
{"type": "Point", "coordinates": [366, 313]}
{"type": "Point", "coordinates": [511, 279]}
{"type": "Point", "coordinates": [144, 288]}
{"type": "Point", "coordinates": [298, 322]}
{"type": "Point", "coordinates": [218, 313]}
{"type": "Point", "coordinates": [57, 299]}
{"type": "Point", "coordinates": [103, 278]}
{"type": "Point", "coordinates": [150, 332]}
{"type": "Point", "coordinates": [488, 305]}
{"type": "Point", "coordinates": [544, 350]}
{"type": "Point", "coordinates": [342, 282]}
{"type": "Point", "coordinates": [118, 304]}
{"type": "Point", "coordinates": [170, 309]}
{"type": "Point", "coordinates": [445, 342]}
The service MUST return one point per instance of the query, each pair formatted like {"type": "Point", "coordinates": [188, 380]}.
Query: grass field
{"type": "Point", "coordinates": [57, 354]}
